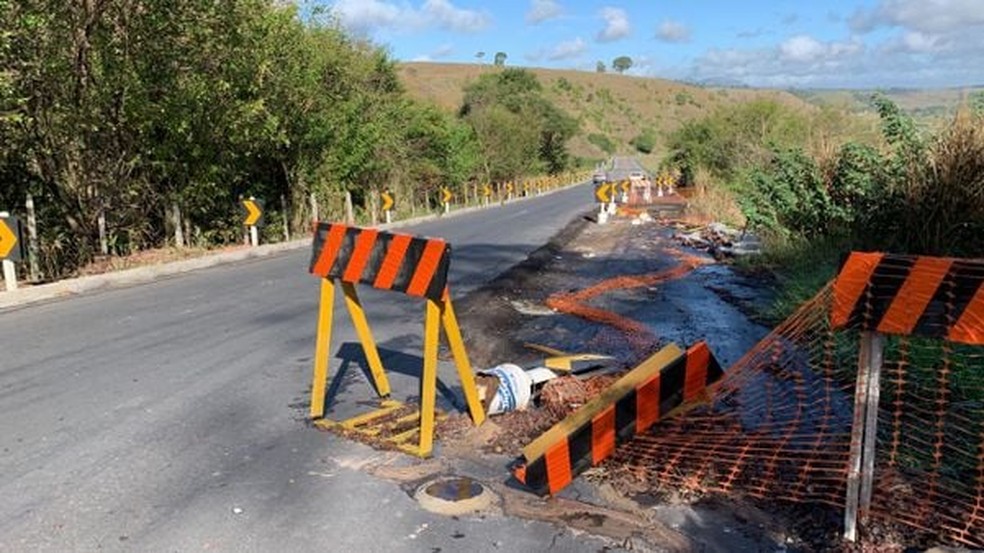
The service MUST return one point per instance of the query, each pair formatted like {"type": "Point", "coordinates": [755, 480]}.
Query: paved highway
{"type": "Point", "coordinates": [169, 416]}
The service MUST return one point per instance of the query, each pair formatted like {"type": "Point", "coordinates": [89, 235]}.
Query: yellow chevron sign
{"type": "Point", "coordinates": [486, 190]}
{"type": "Point", "coordinates": [387, 201]}
{"type": "Point", "coordinates": [603, 192]}
{"type": "Point", "coordinates": [509, 187]}
{"type": "Point", "coordinates": [254, 212]}
{"type": "Point", "coordinates": [445, 195]}
{"type": "Point", "coordinates": [9, 239]}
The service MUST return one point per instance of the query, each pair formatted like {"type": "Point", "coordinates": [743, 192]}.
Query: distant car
{"type": "Point", "coordinates": [637, 175]}
{"type": "Point", "coordinates": [599, 178]}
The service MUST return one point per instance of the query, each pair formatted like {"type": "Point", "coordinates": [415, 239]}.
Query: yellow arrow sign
{"type": "Point", "coordinates": [8, 239]}
{"type": "Point", "coordinates": [387, 201]}
{"type": "Point", "coordinates": [486, 190]}
{"type": "Point", "coordinates": [625, 186]}
{"type": "Point", "coordinates": [602, 193]}
{"type": "Point", "coordinates": [254, 211]}
{"type": "Point", "coordinates": [445, 195]}
{"type": "Point", "coordinates": [509, 187]}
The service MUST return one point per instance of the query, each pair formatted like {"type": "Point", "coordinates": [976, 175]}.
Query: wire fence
{"type": "Point", "coordinates": [779, 425]}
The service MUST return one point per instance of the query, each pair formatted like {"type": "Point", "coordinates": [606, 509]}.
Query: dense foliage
{"type": "Point", "coordinates": [512, 117]}
{"type": "Point", "coordinates": [919, 192]}
{"type": "Point", "coordinates": [912, 191]}
{"type": "Point", "coordinates": [160, 114]}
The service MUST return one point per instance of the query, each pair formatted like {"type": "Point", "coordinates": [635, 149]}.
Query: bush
{"type": "Point", "coordinates": [645, 142]}
{"type": "Point", "coordinates": [603, 142]}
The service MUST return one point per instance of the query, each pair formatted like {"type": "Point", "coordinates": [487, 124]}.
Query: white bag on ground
{"type": "Point", "coordinates": [514, 391]}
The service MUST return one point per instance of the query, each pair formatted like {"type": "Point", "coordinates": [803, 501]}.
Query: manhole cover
{"type": "Point", "coordinates": [454, 496]}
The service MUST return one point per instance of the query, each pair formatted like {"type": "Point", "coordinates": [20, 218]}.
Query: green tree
{"type": "Point", "coordinates": [519, 93]}
{"type": "Point", "coordinates": [500, 59]}
{"type": "Point", "coordinates": [600, 67]}
{"type": "Point", "coordinates": [645, 142]}
{"type": "Point", "coordinates": [622, 64]}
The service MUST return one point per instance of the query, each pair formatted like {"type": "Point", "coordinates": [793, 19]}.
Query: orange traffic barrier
{"type": "Point", "coordinates": [911, 295]}
{"type": "Point", "coordinates": [631, 406]}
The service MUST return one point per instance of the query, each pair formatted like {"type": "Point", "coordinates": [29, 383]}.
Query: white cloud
{"type": "Point", "coordinates": [368, 15]}
{"type": "Point", "coordinates": [568, 49]}
{"type": "Point", "coordinates": [672, 31]}
{"type": "Point", "coordinates": [931, 16]}
{"type": "Point", "coordinates": [616, 24]}
{"type": "Point", "coordinates": [543, 10]}
{"type": "Point", "coordinates": [801, 48]}
{"type": "Point", "coordinates": [915, 41]}
{"type": "Point", "coordinates": [799, 61]}
{"type": "Point", "coordinates": [447, 16]}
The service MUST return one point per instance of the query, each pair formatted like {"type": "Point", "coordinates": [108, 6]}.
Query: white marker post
{"type": "Point", "coordinates": [9, 269]}
{"type": "Point", "coordinates": [254, 234]}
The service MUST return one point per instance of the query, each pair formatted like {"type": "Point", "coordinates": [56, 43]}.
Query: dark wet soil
{"type": "Point", "coordinates": [711, 303]}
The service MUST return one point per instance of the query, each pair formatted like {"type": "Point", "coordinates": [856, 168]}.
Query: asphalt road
{"type": "Point", "coordinates": [621, 168]}
{"type": "Point", "coordinates": [170, 416]}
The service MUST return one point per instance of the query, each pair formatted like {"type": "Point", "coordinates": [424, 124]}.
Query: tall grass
{"type": "Point", "coordinates": [923, 195]}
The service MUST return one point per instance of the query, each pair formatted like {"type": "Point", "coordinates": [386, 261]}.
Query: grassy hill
{"type": "Point", "coordinates": [611, 107]}
{"type": "Point", "coordinates": [926, 105]}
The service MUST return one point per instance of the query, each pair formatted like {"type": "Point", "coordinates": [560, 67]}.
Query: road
{"type": "Point", "coordinates": [621, 168]}
{"type": "Point", "coordinates": [170, 416]}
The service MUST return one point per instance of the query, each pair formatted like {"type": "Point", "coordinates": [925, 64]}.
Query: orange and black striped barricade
{"type": "Point", "coordinates": [401, 263]}
{"type": "Point", "coordinates": [935, 297]}
{"type": "Point", "coordinates": [653, 391]}
{"type": "Point", "coordinates": [902, 295]}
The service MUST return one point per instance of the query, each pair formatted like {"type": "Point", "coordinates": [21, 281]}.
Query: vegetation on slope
{"type": "Point", "coordinates": [158, 116]}
{"type": "Point", "coordinates": [612, 110]}
{"type": "Point", "coordinates": [912, 191]}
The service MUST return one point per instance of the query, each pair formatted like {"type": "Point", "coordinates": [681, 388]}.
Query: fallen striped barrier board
{"type": "Point", "coordinates": [641, 398]}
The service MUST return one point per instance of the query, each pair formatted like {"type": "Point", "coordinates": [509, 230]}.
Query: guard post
{"type": "Point", "coordinates": [411, 265]}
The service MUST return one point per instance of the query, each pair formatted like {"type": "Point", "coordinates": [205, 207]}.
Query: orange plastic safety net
{"type": "Point", "coordinates": [637, 335]}
{"type": "Point", "coordinates": [778, 427]}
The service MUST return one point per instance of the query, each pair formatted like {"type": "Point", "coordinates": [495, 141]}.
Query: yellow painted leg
{"type": "Point", "coordinates": [428, 380]}
{"type": "Point", "coordinates": [453, 332]}
{"type": "Point", "coordinates": [365, 336]}
{"type": "Point", "coordinates": [319, 385]}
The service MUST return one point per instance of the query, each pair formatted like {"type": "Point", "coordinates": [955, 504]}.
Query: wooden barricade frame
{"type": "Point", "coordinates": [411, 265]}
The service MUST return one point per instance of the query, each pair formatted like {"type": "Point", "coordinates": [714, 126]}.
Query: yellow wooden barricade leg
{"type": "Point", "coordinates": [365, 336]}
{"type": "Point", "coordinates": [453, 332]}
{"type": "Point", "coordinates": [319, 385]}
{"type": "Point", "coordinates": [428, 380]}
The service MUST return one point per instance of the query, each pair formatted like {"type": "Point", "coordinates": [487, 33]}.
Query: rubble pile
{"type": "Point", "coordinates": [719, 240]}
{"type": "Point", "coordinates": [563, 395]}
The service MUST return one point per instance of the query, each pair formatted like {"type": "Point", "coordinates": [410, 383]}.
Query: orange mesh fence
{"type": "Point", "coordinates": [639, 337]}
{"type": "Point", "coordinates": [778, 426]}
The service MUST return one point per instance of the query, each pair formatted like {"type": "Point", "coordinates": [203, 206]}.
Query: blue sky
{"type": "Point", "coordinates": [776, 43]}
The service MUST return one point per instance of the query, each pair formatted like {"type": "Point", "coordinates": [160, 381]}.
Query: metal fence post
{"type": "Point", "coordinates": [864, 432]}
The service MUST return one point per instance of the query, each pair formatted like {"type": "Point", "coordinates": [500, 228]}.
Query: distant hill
{"type": "Point", "coordinates": [928, 105]}
{"type": "Point", "coordinates": [610, 106]}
